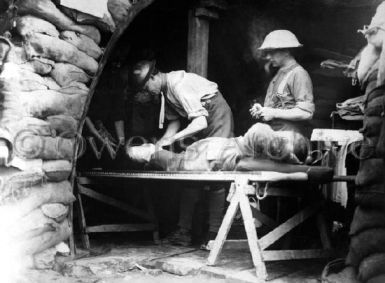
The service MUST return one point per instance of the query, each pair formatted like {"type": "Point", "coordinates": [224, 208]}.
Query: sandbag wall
{"type": "Point", "coordinates": [48, 60]}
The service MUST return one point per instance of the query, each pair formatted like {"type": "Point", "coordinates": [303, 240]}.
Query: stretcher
{"type": "Point", "coordinates": [243, 184]}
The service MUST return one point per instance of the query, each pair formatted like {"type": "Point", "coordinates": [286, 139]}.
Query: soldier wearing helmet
{"type": "Point", "coordinates": [190, 96]}
{"type": "Point", "coordinates": [289, 99]}
{"type": "Point", "coordinates": [184, 95]}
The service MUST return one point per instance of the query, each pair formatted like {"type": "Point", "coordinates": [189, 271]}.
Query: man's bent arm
{"type": "Point", "coordinates": [294, 114]}
{"type": "Point", "coordinates": [196, 125]}
{"type": "Point", "coordinates": [172, 128]}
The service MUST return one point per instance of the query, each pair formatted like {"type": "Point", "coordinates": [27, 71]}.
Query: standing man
{"type": "Point", "coordinates": [187, 95]}
{"type": "Point", "coordinates": [289, 99]}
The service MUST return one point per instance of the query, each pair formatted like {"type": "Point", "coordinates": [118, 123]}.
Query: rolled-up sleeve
{"type": "Point", "coordinates": [189, 101]}
{"type": "Point", "coordinates": [303, 91]}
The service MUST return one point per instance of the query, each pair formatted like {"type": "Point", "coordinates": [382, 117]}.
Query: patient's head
{"type": "Point", "coordinates": [141, 153]}
{"type": "Point", "coordinates": [288, 146]}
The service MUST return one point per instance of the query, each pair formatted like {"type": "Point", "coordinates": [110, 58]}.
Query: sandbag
{"type": "Point", "coordinates": [366, 218]}
{"type": "Point", "coordinates": [56, 211]}
{"type": "Point", "coordinates": [18, 55]}
{"type": "Point", "coordinates": [380, 148]}
{"type": "Point", "coordinates": [51, 83]}
{"type": "Point", "coordinates": [364, 244]}
{"type": "Point", "coordinates": [106, 23]}
{"type": "Point", "coordinates": [41, 104]}
{"type": "Point", "coordinates": [46, 240]}
{"type": "Point", "coordinates": [119, 10]}
{"type": "Point", "coordinates": [13, 181]}
{"type": "Point", "coordinates": [370, 196]}
{"type": "Point", "coordinates": [30, 24]}
{"type": "Point", "coordinates": [74, 88]}
{"type": "Point", "coordinates": [45, 259]}
{"type": "Point", "coordinates": [8, 50]}
{"type": "Point", "coordinates": [57, 170]}
{"type": "Point", "coordinates": [46, 10]}
{"type": "Point", "coordinates": [33, 221]}
{"type": "Point", "coordinates": [64, 74]}
{"type": "Point", "coordinates": [47, 148]}
{"type": "Point", "coordinates": [41, 66]}
{"type": "Point", "coordinates": [371, 126]}
{"type": "Point", "coordinates": [13, 78]}
{"type": "Point", "coordinates": [59, 51]}
{"type": "Point", "coordinates": [371, 171]}
{"type": "Point", "coordinates": [65, 126]}
{"type": "Point", "coordinates": [371, 267]}
{"type": "Point", "coordinates": [36, 196]}
{"type": "Point", "coordinates": [27, 164]}
{"type": "Point", "coordinates": [82, 42]}
{"type": "Point", "coordinates": [30, 125]}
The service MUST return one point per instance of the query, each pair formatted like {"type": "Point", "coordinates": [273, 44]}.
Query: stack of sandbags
{"type": "Point", "coordinates": [46, 68]}
{"type": "Point", "coordinates": [33, 212]}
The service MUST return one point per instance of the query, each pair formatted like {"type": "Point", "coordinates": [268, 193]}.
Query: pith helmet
{"type": "Point", "coordinates": [280, 39]}
{"type": "Point", "coordinates": [379, 18]}
{"type": "Point", "coordinates": [140, 73]}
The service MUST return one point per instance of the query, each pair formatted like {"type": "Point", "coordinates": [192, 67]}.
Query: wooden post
{"type": "Point", "coordinates": [198, 44]}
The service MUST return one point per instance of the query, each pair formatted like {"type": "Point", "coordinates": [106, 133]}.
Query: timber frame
{"type": "Point", "coordinates": [242, 185]}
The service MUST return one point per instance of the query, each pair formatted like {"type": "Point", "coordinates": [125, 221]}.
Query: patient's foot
{"type": "Point", "coordinates": [180, 237]}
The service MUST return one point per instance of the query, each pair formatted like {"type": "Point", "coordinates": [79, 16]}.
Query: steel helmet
{"type": "Point", "coordinates": [140, 73]}
{"type": "Point", "coordinates": [280, 39]}
{"type": "Point", "coordinates": [378, 19]}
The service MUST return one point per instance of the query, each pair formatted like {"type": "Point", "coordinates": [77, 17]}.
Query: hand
{"type": "Point", "coordinates": [255, 110]}
{"type": "Point", "coordinates": [267, 113]}
{"type": "Point", "coordinates": [164, 142]}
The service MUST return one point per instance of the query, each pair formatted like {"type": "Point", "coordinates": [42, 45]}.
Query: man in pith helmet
{"type": "Point", "coordinates": [192, 97]}
{"type": "Point", "coordinates": [289, 99]}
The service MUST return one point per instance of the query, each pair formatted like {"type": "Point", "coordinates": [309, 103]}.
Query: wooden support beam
{"type": "Point", "coordinates": [251, 232]}
{"type": "Point", "coordinates": [223, 230]}
{"type": "Point", "coordinates": [198, 44]}
{"type": "Point", "coordinates": [288, 225]}
{"type": "Point", "coordinates": [323, 229]}
{"type": "Point", "coordinates": [120, 228]}
{"type": "Point", "coordinates": [113, 202]}
{"type": "Point", "coordinates": [296, 254]}
{"type": "Point", "coordinates": [83, 223]}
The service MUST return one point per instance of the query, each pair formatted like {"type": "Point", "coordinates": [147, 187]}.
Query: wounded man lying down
{"type": "Point", "coordinates": [223, 154]}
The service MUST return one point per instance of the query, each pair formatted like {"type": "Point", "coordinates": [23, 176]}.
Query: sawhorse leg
{"type": "Point", "coordinates": [83, 224]}
{"type": "Point", "coordinates": [240, 199]}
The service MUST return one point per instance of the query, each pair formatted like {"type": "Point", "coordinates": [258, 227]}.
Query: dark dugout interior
{"type": "Point", "coordinates": [326, 28]}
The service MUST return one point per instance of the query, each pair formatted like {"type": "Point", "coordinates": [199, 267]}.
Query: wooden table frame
{"type": "Point", "coordinates": [150, 221]}
{"type": "Point", "coordinates": [239, 200]}
{"type": "Point", "coordinates": [241, 188]}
